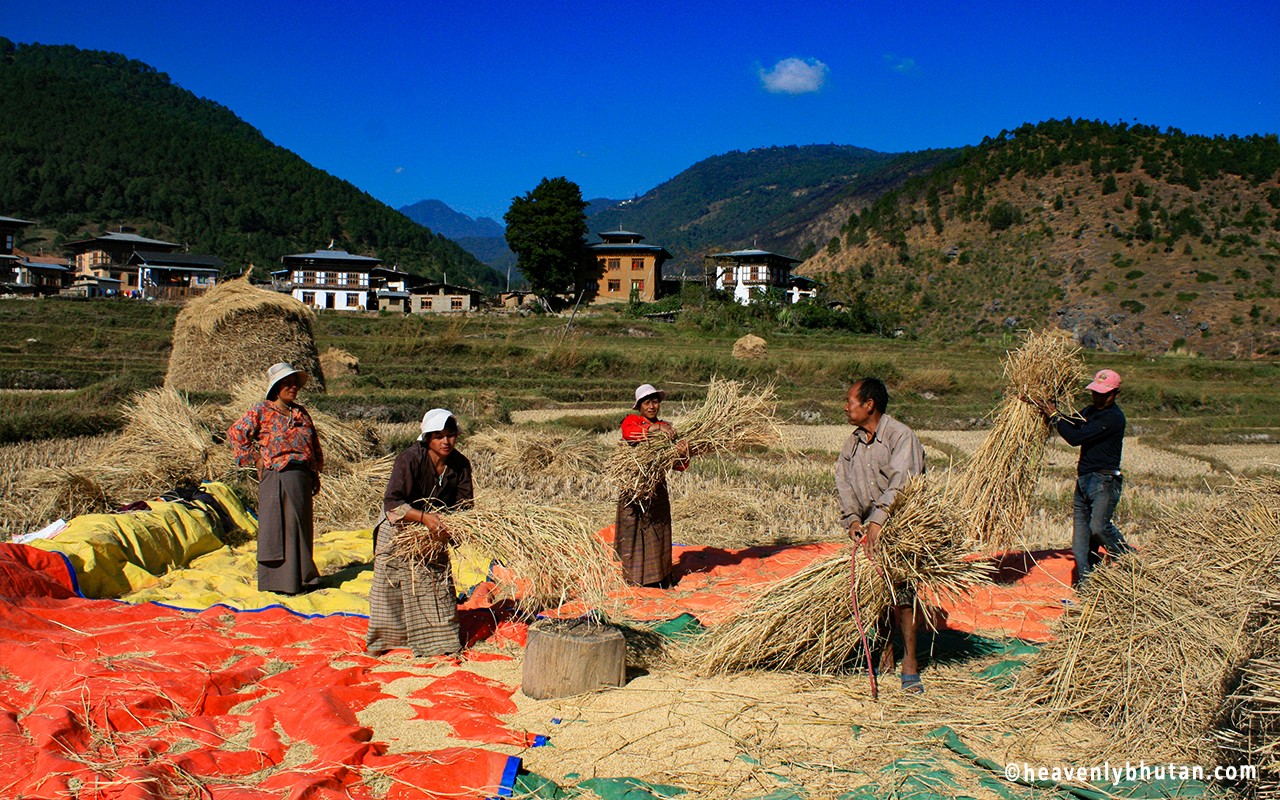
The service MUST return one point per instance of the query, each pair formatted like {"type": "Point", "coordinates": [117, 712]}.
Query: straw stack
{"type": "Point", "coordinates": [996, 484]}
{"type": "Point", "coordinates": [807, 622]}
{"type": "Point", "coordinates": [236, 330]}
{"type": "Point", "coordinates": [1160, 634]}
{"type": "Point", "coordinates": [552, 555]}
{"type": "Point", "coordinates": [734, 417]}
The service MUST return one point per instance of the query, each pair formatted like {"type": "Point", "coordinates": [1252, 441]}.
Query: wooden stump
{"type": "Point", "coordinates": [566, 657]}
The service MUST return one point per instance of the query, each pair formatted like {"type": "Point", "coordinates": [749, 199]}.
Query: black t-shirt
{"type": "Point", "coordinates": [1100, 437]}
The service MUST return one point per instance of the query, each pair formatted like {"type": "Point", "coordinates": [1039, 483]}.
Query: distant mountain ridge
{"type": "Point", "coordinates": [442, 219]}
{"type": "Point", "coordinates": [93, 140]}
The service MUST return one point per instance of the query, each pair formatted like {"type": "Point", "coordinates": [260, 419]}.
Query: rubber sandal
{"type": "Point", "coordinates": [911, 683]}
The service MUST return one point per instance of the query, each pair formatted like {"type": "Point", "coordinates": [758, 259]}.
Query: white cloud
{"type": "Point", "coordinates": [399, 170]}
{"type": "Point", "coordinates": [900, 65]}
{"type": "Point", "coordinates": [794, 76]}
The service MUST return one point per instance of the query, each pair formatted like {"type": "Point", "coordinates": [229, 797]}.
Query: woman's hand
{"type": "Point", "coordinates": [315, 484]}
{"type": "Point", "coordinates": [435, 524]}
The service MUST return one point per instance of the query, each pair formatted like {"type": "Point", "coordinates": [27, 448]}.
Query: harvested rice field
{"type": "Point", "coordinates": [750, 520]}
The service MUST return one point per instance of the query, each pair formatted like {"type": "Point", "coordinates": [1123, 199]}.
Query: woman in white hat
{"type": "Point", "coordinates": [278, 437]}
{"type": "Point", "coordinates": [642, 532]}
{"type": "Point", "coordinates": [410, 605]}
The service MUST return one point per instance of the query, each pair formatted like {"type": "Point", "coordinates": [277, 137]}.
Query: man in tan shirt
{"type": "Point", "coordinates": [877, 460]}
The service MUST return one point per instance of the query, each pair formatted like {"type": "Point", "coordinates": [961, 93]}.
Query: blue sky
{"type": "Point", "coordinates": [473, 102]}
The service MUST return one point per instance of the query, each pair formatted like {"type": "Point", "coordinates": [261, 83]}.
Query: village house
{"type": "Point", "coordinates": [629, 268]}
{"type": "Point", "coordinates": [393, 288]}
{"type": "Point", "coordinates": [23, 274]}
{"type": "Point", "coordinates": [443, 298]}
{"type": "Point", "coordinates": [174, 276]}
{"type": "Point", "coordinates": [329, 279]}
{"type": "Point", "coordinates": [102, 262]}
{"type": "Point", "coordinates": [747, 274]}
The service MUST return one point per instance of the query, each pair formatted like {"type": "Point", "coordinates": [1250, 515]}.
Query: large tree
{"type": "Point", "coordinates": [546, 229]}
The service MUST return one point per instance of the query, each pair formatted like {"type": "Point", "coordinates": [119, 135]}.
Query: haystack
{"type": "Point", "coordinates": [1161, 634]}
{"type": "Point", "coordinates": [337, 363]}
{"type": "Point", "coordinates": [750, 347]}
{"type": "Point", "coordinates": [237, 331]}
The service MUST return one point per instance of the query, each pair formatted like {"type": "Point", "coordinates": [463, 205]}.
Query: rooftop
{"type": "Point", "coordinates": [334, 255]}
{"type": "Point", "coordinates": [754, 254]}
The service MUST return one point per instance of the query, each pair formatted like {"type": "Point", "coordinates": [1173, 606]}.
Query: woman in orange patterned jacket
{"type": "Point", "coordinates": [278, 437]}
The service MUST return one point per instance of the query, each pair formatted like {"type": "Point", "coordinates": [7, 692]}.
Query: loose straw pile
{"type": "Point", "coordinates": [1249, 731]}
{"type": "Point", "coordinates": [806, 622]}
{"type": "Point", "coordinates": [1161, 633]}
{"type": "Point", "coordinates": [734, 417]}
{"type": "Point", "coordinates": [572, 455]}
{"type": "Point", "coordinates": [551, 555]}
{"type": "Point", "coordinates": [995, 486]}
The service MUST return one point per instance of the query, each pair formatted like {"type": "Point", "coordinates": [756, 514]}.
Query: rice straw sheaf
{"type": "Point", "coordinates": [806, 622]}
{"type": "Point", "coordinates": [1160, 633]}
{"type": "Point", "coordinates": [1249, 727]}
{"type": "Point", "coordinates": [352, 499]}
{"type": "Point", "coordinates": [165, 442]}
{"type": "Point", "coordinates": [552, 555]}
{"type": "Point", "coordinates": [995, 486]}
{"type": "Point", "coordinates": [734, 417]}
{"type": "Point", "coordinates": [571, 454]}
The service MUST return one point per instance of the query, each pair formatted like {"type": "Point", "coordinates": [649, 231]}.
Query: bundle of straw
{"type": "Point", "coordinates": [1249, 727]}
{"type": "Point", "coordinates": [807, 623]}
{"type": "Point", "coordinates": [166, 442]}
{"type": "Point", "coordinates": [734, 417]}
{"type": "Point", "coordinates": [1161, 633]}
{"type": "Point", "coordinates": [352, 499]}
{"type": "Point", "coordinates": [995, 487]}
{"type": "Point", "coordinates": [550, 554]}
{"type": "Point", "coordinates": [571, 454]}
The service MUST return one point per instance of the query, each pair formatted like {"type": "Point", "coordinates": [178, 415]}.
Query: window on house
{"type": "Point", "coordinates": [364, 279]}
{"type": "Point", "coordinates": [637, 286]}
{"type": "Point", "coordinates": [615, 263]}
{"type": "Point", "coordinates": [309, 298]}
{"type": "Point", "coordinates": [637, 264]}
{"type": "Point", "coordinates": [8, 242]}
{"type": "Point", "coordinates": [615, 286]}
{"type": "Point", "coordinates": [342, 279]}
{"type": "Point", "coordinates": [755, 273]}
{"type": "Point", "coordinates": [455, 304]}
{"type": "Point", "coordinates": [309, 277]}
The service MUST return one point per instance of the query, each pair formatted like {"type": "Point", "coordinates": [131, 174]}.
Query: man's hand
{"type": "Point", "coordinates": [855, 529]}
{"type": "Point", "coordinates": [870, 538]}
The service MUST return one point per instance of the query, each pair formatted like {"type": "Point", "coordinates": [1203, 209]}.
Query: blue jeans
{"type": "Point", "coordinates": [1097, 494]}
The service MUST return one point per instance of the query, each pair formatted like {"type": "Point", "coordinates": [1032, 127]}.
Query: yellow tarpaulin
{"type": "Point", "coordinates": [172, 554]}
{"type": "Point", "coordinates": [118, 553]}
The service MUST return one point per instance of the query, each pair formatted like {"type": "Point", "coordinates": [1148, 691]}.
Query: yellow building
{"type": "Point", "coordinates": [628, 268]}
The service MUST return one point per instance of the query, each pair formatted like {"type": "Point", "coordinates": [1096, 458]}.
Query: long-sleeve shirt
{"type": "Point", "coordinates": [873, 468]}
{"type": "Point", "coordinates": [278, 438]}
{"type": "Point", "coordinates": [635, 428]}
{"type": "Point", "coordinates": [414, 478]}
{"type": "Point", "coordinates": [1100, 437]}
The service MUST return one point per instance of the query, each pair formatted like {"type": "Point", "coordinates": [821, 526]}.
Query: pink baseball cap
{"type": "Point", "coordinates": [1107, 380]}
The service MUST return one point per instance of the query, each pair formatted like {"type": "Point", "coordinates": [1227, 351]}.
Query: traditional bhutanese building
{"type": "Point", "coordinates": [106, 257]}
{"type": "Point", "coordinates": [329, 279]}
{"type": "Point", "coordinates": [750, 273]}
{"type": "Point", "coordinates": [629, 267]}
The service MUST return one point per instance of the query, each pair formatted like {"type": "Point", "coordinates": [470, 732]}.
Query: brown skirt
{"type": "Point", "coordinates": [286, 536]}
{"type": "Point", "coordinates": [643, 539]}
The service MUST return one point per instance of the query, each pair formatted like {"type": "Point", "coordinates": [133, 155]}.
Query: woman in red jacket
{"type": "Point", "coordinates": [643, 530]}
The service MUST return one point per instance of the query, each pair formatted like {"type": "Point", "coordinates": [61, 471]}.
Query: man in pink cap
{"type": "Point", "coordinates": [1099, 433]}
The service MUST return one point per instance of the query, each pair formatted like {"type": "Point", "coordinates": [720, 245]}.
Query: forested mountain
{"type": "Point", "coordinates": [92, 140]}
{"type": "Point", "coordinates": [769, 197]}
{"type": "Point", "coordinates": [1130, 236]}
